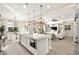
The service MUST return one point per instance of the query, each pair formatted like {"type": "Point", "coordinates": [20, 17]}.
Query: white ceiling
{"type": "Point", "coordinates": [12, 10]}
{"type": "Point", "coordinates": [63, 13]}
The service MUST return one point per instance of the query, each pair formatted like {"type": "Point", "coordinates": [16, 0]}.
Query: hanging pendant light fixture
{"type": "Point", "coordinates": [28, 14]}
{"type": "Point", "coordinates": [41, 18]}
{"type": "Point", "coordinates": [41, 12]}
{"type": "Point", "coordinates": [15, 22]}
{"type": "Point", "coordinates": [28, 17]}
{"type": "Point", "coordinates": [26, 3]}
{"type": "Point", "coordinates": [33, 14]}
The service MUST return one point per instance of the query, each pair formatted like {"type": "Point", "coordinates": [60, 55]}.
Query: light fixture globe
{"type": "Point", "coordinates": [26, 3]}
{"type": "Point", "coordinates": [41, 5]}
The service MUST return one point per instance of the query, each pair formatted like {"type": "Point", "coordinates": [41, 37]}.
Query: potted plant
{"type": "Point", "coordinates": [15, 29]}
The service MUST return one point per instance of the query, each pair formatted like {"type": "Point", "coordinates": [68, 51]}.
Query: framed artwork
{"type": "Point", "coordinates": [10, 29]}
{"type": "Point", "coordinates": [67, 27]}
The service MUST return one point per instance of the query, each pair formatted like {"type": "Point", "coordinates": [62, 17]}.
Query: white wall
{"type": "Point", "coordinates": [70, 32]}
{"type": "Point", "coordinates": [21, 26]}
{"type": "Point", "coordinates": [1, 23]}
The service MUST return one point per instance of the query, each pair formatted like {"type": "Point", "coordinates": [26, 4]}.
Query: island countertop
{"type": "Point", "coordinates": [37, 36]}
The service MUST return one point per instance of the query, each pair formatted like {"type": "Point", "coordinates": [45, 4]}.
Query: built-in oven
{"type": "Point", "coordinates": [54, 28]}
{"type": "Point", "coordinates": [33, 43]}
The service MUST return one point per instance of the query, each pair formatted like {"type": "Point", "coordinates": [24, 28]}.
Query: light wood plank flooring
{"type": "Point", "coordinates": [62, 47]}
{"type": "Point", "coordinates": [59, 47]}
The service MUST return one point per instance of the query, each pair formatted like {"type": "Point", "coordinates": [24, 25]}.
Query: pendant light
{"type": "Point", "coordinates": [28, 18]}
{"type": "Point", "coordinates": [28, 15]}
{"type": "Point", "coordinates": [15, 22]}
{"type": "Point", "coordinates": [41, 18]}
{"type": "Point", "coordinates": [41, 12]}
{"type": "Point", "coordinates": [33, 14]}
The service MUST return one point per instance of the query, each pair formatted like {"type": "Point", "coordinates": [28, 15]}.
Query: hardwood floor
{"type": "Point", "coordinates": [59, 47]}
{"type": "Point", "coordinates": [14, 48]}
{"type": "Point", "coordinates": [63, 47]}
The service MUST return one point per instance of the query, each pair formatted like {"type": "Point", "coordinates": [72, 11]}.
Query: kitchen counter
{"type": "Point", "coordinates": [41, 43]}
{"type": "Point", "coordinates": [39, 36]}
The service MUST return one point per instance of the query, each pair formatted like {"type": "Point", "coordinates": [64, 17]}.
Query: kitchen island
{"type": "Point", "coordinates": [37, 44]}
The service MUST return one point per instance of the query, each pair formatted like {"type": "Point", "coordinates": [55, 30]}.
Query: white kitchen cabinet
{"type": "Point", "coordinates": [41, 43]}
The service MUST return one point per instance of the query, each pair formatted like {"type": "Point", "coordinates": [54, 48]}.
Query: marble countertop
{"type": "Point", "coordinates": [36, 36]}
{"type": "Point", "coordinates": [39, 36]}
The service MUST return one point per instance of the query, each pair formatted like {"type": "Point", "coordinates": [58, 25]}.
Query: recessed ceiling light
{"type": "Point", "coordinates": [48, 6]}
